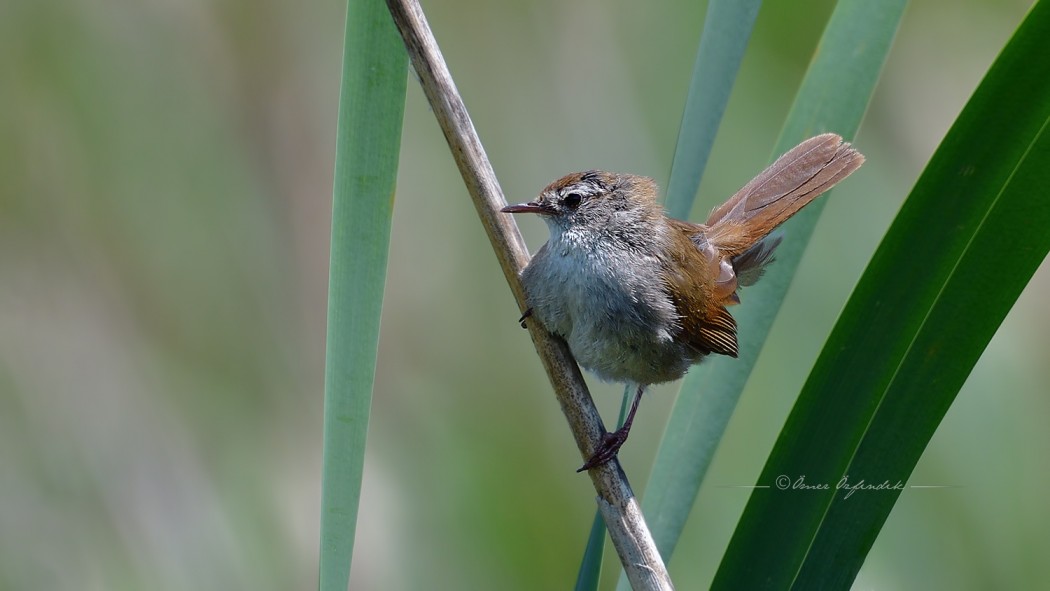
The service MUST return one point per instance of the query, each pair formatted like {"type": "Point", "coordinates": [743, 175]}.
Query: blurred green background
{"type": "Point", "coordinates": [165, 191]}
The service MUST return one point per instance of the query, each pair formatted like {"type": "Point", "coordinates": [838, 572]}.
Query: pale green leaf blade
{"type": "Point", "coordinates": [833, 97]}
{"type": "Point", "coordinates": [371, 107]}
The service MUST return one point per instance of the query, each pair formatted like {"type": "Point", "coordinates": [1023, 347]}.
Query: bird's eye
{"type": "Point", "coordinates": [572, 200]}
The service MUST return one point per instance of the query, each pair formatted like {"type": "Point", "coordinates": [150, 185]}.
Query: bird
{"type": "Point", "coordinates": [640, 297]}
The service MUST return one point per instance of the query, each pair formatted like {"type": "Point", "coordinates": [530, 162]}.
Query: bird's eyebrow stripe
{"type": "Point", "coordinates": [588, 188]}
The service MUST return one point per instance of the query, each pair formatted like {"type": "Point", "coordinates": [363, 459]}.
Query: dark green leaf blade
{"type": "Point", "coordinates": [371, 108]}
{"type": "Point", "coordinates": [963, 247]}
{"type": "Point", "coordinates": [590, 574]}
{"type": "Point", "coordinates": [727, 29]}
{"type": "Point", "coordinates": [723, 41]}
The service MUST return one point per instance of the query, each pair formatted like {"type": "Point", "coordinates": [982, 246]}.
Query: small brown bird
{"type": "Point", "coordinates": [640, 297]}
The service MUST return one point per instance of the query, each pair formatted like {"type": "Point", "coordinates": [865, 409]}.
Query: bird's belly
{"type": "Point", "coordinates": [617, 352]}
{"type": "Point", "coordinates": [621, 327]}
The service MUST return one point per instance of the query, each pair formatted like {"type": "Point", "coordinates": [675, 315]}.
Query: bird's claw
{"type": "Point", "coordinates": [610, 445]}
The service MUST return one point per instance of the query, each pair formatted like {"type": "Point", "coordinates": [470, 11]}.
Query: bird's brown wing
{"type": "Point", "coordinates": [701, 284]}
{"type": "Point", "coordinates": [702, 273]}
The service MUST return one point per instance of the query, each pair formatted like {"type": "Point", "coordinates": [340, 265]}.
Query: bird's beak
{"type": "Point", "coordinates": [530, 207]}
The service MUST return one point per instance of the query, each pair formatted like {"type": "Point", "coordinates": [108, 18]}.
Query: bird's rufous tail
{"type": "Point", "coordinates": [779, 192]}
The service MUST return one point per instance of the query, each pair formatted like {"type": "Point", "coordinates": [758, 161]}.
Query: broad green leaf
{"type": "Point", "coordinates": [968, 239]}
{"type": "Point", "coordinates": [849, 58]}
{"type": "Point", "coordinates": [371, 108]}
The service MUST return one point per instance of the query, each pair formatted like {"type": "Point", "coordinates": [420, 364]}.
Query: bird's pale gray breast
{"type": "Point", "coordinates": [612, 308]}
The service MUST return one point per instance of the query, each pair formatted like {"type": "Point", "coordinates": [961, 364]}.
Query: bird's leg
{"type": "Point", "coordinates": [612, 442]}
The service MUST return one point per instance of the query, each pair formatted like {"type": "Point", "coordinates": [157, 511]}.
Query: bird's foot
{"type": "Point", "coordinates": [611, 442]}
{"type": "Point", "coordinates": [610, 445]}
